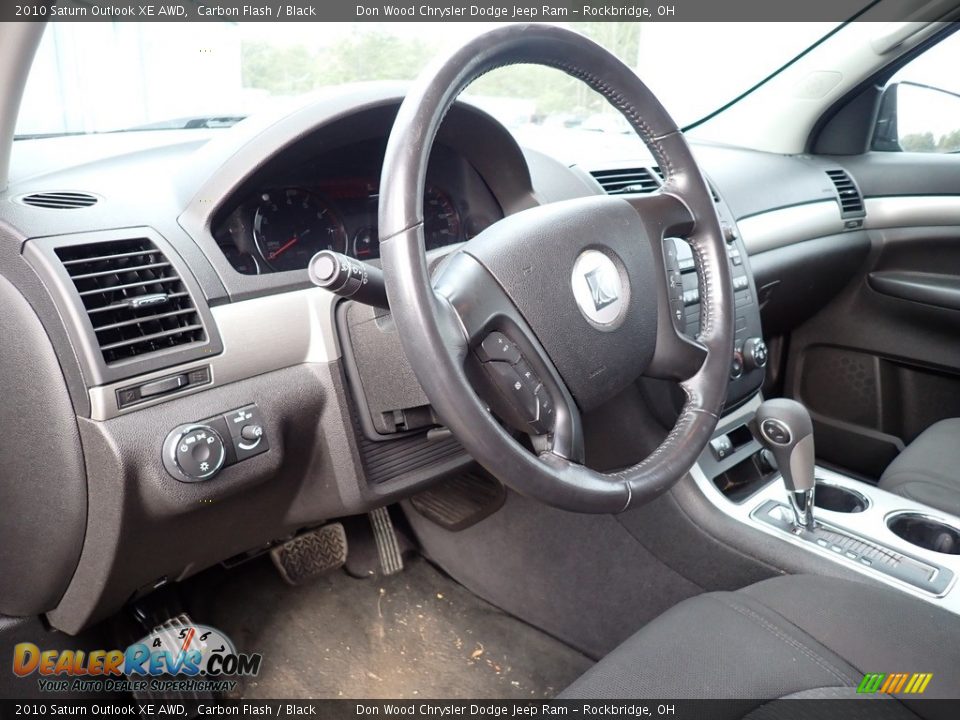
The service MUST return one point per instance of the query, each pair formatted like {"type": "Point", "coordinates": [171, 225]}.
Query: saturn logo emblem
{"type": "Point", "coordinates": [599, 288]}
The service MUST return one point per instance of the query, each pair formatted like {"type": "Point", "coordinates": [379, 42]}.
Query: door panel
{"type": "Point", "coordinates": [881, 362]}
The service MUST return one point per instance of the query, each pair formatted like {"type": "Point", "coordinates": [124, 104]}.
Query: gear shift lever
{"type": "Point", "coordinates": [784, 427]}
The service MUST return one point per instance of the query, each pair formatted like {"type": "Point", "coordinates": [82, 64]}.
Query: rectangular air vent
{"type": "Point", "coordinates": [627, 180]}
{"type": "Point", "coordinates": [134, 297]}
{"type": "Point", "coordinates": [851, 203]}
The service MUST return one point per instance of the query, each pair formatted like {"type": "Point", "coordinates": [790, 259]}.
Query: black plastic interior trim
{"type": "Point", "coordinates": [818, 143]}
{"type": "Point", "coordinates": [930, 288]}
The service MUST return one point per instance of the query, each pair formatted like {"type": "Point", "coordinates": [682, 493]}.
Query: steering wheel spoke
{"type": "Point", "coordinates": [664, 214]}
{"type": "Point", "coordinates": [505, 362]}
{"type": "Point", "coordinates": [665, 217]}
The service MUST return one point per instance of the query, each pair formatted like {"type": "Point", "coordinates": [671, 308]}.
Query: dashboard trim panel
{"type": "Point", "coordinates": [254, 342]}
{"type": "Point", "coordinates": [912, 211]}
{"type": "Point", "coordinates": [789, 225]}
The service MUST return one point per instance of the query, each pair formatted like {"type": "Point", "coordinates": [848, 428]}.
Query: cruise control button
{"type": "Point", "coordinates": [545, 423]}
{"type": "Point", "coordinates": [496, 346]}
{"type": "Point", "coordinates": [528, 376]}
{"type": "Point", "coordinates": [521, 393]}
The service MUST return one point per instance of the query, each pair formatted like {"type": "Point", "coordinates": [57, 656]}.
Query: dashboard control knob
{"type": "Point", "coordinates": [251, 433]}
{"type": "Point", "coordinates": [193, 452]}
{"type": "Point", "coordinates": [754, 353]}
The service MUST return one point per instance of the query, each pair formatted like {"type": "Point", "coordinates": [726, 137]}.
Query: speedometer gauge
{"type": "Point", "coordinates": [441, 220]}
{"type": "Point", "coordinates": [291, 226]}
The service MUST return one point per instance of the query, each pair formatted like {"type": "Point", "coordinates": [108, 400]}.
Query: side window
{"type": "Point", "coordinates": [920, 109]}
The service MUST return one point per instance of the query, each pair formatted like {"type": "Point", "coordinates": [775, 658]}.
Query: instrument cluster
{"type": "Point", "coordinates": [331, 204]}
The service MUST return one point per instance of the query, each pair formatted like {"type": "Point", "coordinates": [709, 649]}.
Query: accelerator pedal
{"type": "Point", "coordinates": [388, 545]}
{"type": "Point", "coordinates": [311, 554]}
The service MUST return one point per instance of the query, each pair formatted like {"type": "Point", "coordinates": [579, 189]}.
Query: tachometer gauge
{"type": "Point", "coordinates": [366, 244]}
{"type": "Point", "coordinates": [441, 221]}
{"type": "Point", "coordinates": [291, 226]}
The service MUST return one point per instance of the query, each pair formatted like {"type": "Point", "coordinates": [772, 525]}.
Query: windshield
{"type": "Point", "coordinates": [102, 77]}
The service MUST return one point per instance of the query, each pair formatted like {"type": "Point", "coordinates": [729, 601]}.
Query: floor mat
{"type": "Point", "coordinates": [414, 635]}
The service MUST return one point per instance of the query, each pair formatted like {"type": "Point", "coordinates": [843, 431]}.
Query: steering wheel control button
{"type": "Point", "coordinates": [194, 452]}
{"type": "Point", "coordinates": [600, 290]}
{"type": "Point", "coordinates": [775, 431]}
{"type": "Point", "coordinates": [496, 347]}
{"type": "Point", "coordinates": [544, 423]}
{"type": "Point", "coordinates": [247, 431]}
{"type": "Point", "coordinates": [519, 393]}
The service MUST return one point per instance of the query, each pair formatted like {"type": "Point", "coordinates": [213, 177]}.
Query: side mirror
{"type": "Point", "coordinates": [917, 118]}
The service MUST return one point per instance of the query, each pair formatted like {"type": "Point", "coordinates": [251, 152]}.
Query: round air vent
{"type": "Point", "coordinates": [59, 200]}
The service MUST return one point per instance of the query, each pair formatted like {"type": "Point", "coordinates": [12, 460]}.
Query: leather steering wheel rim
{"type": "Point", "coordinates": [438, 319]}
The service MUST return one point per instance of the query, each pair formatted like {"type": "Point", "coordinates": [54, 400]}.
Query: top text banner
{"type": "Point", "coordinates": [480, 11]}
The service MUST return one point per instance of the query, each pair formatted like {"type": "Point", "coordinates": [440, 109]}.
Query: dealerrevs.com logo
{"type": "Point", "coordinates": [178, 657]}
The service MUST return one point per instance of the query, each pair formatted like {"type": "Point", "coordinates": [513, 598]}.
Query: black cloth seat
{"type": "Point", "coordinates": [793, 636]}
{"type": "Point", "coordinates": [928, 470]}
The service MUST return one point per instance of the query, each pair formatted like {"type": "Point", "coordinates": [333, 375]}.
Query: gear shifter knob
{"type": "Point", "coordinates": [784, 427]}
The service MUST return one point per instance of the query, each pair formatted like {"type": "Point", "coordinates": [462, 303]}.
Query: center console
{"type": "Point", "coordinates": [868, 531]}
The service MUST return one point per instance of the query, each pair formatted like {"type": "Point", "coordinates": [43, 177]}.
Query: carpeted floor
{"type": "Point", "coordinates": [417, 634]}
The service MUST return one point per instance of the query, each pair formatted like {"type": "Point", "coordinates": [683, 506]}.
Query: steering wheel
{"type": "Point", "coordinates": [553, 310]}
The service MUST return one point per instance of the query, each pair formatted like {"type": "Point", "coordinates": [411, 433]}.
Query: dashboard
{"type": "Point", "coordinates": [330, 203]}
{"type": "Point", "coordinates": [224, 223]}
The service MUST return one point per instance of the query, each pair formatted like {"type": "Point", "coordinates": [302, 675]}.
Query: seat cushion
{"type": "Point", "coordinates": [797, 635]}
{"type": "Point", "coordinates": [928, 470]}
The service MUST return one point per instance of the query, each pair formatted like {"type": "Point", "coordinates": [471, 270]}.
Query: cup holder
{"type": "Point", "coordinates": [839, 499]}
{"type": "Point", "coordinates": [925, 532]}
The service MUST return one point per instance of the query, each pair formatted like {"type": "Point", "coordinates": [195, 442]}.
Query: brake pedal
{"type": "Point", "coordinates": [311, 554]}
{"type": "Point", "coordinates": [388, 545]}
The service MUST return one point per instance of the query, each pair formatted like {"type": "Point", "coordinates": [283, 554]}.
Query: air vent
{"type": "Point", "coordinates": [133, 296]}
{"type": "Point", "coordinates": [851, 204]}
{"type": "Point", "coordinates": [627, 180]}
{"type": "Point", "coordinates": [60, 200]}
